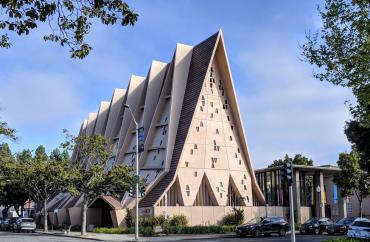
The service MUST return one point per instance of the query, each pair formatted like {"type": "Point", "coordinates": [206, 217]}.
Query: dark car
{"type": "Point", "coordinates": [341, 226]}
{"type": "Point", "coordinates": [263, 226]}
{"type": "Point", "coordinates": [7, 224]}
{"type": "Point", "coordinates": [316, 225]}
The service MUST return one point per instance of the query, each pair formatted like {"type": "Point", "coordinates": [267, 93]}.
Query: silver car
{"type": "Point", "coordinates": [24, 224]}
{"type": "Point", "coordinates": [360, 229]}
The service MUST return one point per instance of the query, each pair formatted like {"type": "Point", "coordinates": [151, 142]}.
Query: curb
{"type": "Point", "coordinates": [69, 236]}
{"type": "Point", "coordinates": [210, 236]}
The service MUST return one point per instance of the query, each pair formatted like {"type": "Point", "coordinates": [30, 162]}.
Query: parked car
{"type": "Point", "coordinates": [263, 226]}
{"type": "Point", "coordinates": [316, 225]}
{"type": "Point", "coordinates": [3, 224]}
{"type": "Point", "coordinates": [341, 226]}
{"type": "Point", "coordinates": [359, 229]}
{"type": "Point", "coordinates": [24, 224]}
{"type": "Point", "coordinates": [7, 224]}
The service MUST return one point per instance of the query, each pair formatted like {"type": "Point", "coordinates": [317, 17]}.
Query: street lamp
{"type": "Point", "coordinates": [137, 173]}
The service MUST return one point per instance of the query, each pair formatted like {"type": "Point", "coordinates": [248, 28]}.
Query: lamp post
{"type": "Point", "coordinates": [137, 173]}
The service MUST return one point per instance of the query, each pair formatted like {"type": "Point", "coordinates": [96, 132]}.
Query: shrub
{"type": "Point", "coordinates": [128, 218]}
{"type": "Point", "coordinates": [178, 220]}
{"type": "Point", "coordinates": [152, 221]}
{"type": "Point", "coordinates": [345, 240]}
{"type": "Point", "coordinates": [112, 230]}
{"type": "Point", "coordinates": [145, 231]}
{"type": "Point", "coordinates": [234, 218]}
{"type": "Point", "coordinates": [229, 219]}
{"type": "Point", "coordinates": [213, 229]}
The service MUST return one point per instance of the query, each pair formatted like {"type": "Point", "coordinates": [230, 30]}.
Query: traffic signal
{"type": "Point", "coordinates": [142, 191]}
{"type": "Point", "coordinates": [132, 192]}
{"type": "Point", "coordinates": [287, 173]}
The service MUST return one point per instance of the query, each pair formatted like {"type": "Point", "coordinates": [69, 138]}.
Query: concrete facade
{"type": "Point", "coordinates": [195, 148]}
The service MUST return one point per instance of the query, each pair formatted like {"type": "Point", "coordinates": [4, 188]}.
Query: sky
{"type": "Point", "coordinates": [284, 109]}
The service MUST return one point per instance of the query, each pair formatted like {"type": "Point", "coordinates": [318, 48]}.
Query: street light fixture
{"type": "Point", "coordinates": [137, 173]}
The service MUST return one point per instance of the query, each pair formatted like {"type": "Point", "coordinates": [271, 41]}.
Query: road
{"type": "Point", "coordinates": [29, 237]}
{"type": "Point", "coordinates": [299, 238]}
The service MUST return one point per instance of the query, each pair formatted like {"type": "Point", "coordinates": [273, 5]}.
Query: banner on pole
{"type": "Point", "coordinates": [141, 139]}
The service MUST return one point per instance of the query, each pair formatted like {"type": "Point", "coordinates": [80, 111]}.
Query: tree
{"type": "Point", "coordinates": [91, 179]}
{"type": "Point", "coordinates": [298, 159]}
{"type": "Point", "coordinates": [13, 191]}
{"type": "Point", "coordinates": [59, 156]}
{"type": "Point", "coordinates": [69, 20]}
{"type": "Point", "coordinates": [352, 179]}
{"type": "Point", "coordinates": [341, 50]}
{"type": "Point", "coordinates": [128, 218]}
{"type": "Point", "coordinates": [360, 137]}
{"type": "Point", "coordinates": [341, 53]}
{"type": "Point", "coordinates": [46, 179]}
{"type": "Point", "coordinates": [7, 132]}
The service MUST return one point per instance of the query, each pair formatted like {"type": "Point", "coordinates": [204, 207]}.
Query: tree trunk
{"type": "Point", "coordinates": [83, 217]}
{"type": "Point", "coordinates": [360, 201]}
{"type": "Point", "coordinates": [45, 216]}
{"type": "Point", "coordinates": [16, 208]}
{"type": "Point", "coordinates": [5, 211]}
{"type": "Point", "coordinates": [22, 211]}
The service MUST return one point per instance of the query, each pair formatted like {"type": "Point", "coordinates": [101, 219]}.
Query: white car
{"type": "Point", "coordinates": [359, 229]}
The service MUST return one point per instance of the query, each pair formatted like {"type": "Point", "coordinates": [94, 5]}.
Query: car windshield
{"type": "Point", "coordinates": [27, 220]}
{"type": "Point", "coordinates": [312, 220]}
{"type": "Point", "coordinates": [345, 221]}
{"type": "Point", "coordinates": [255, 220]}
{"type": "Point", "coordinates": [362, 224]}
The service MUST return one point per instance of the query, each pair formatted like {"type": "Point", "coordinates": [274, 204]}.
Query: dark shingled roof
{"type": "Point", "coordinates": [200, 60]}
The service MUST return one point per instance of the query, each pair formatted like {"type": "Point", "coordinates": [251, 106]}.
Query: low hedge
{"type": "Point", "coordinates": [212, 229]}
{"type": "Point", "coordinates": [345, 240]}
{"type": "Point", "coordinates": [146, 231]}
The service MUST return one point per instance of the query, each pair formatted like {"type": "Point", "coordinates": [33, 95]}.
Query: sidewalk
{"type": "Point", "coordinates": [130, 237]}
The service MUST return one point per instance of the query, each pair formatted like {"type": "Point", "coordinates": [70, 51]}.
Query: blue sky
{"type": "Point", "coordinates": [285, 110]}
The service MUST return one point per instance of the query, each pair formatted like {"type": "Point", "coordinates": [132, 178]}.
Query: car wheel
{"type": "Point", "coordinates": [330, 233]}
{"type": "Point", "coordinates": [282, 232]}
{"type": "Point", "coordinates": [316, 231]}
{"type": "Point", "coordinates": [257, 233]}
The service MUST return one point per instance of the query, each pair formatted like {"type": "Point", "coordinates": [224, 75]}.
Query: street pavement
{"type": "Point", "coordinates": [39, 237]}
{"type": "Point", "coordinates": [299, 238]}
{"type": "Point", "coordinates": [36, 237]}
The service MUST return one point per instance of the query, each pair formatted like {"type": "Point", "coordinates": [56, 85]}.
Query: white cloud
{"type": "Point", "coordinates": [289, 111]}
{"type": "Point", "coordinates": [37, 99]}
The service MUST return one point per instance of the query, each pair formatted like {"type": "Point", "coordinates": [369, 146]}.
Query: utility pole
{"type": "Point", "coordinates": [287, 175]}
{"type": "Point", "coordinates": [136, 180]}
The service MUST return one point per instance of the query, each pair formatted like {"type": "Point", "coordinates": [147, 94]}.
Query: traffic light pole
{"type": "Point", "coordinates": [137, 173]}
{"type": "Point", "coordinates": [292, 235]}
{"type": "Point", "coordinates": [137, 183]}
